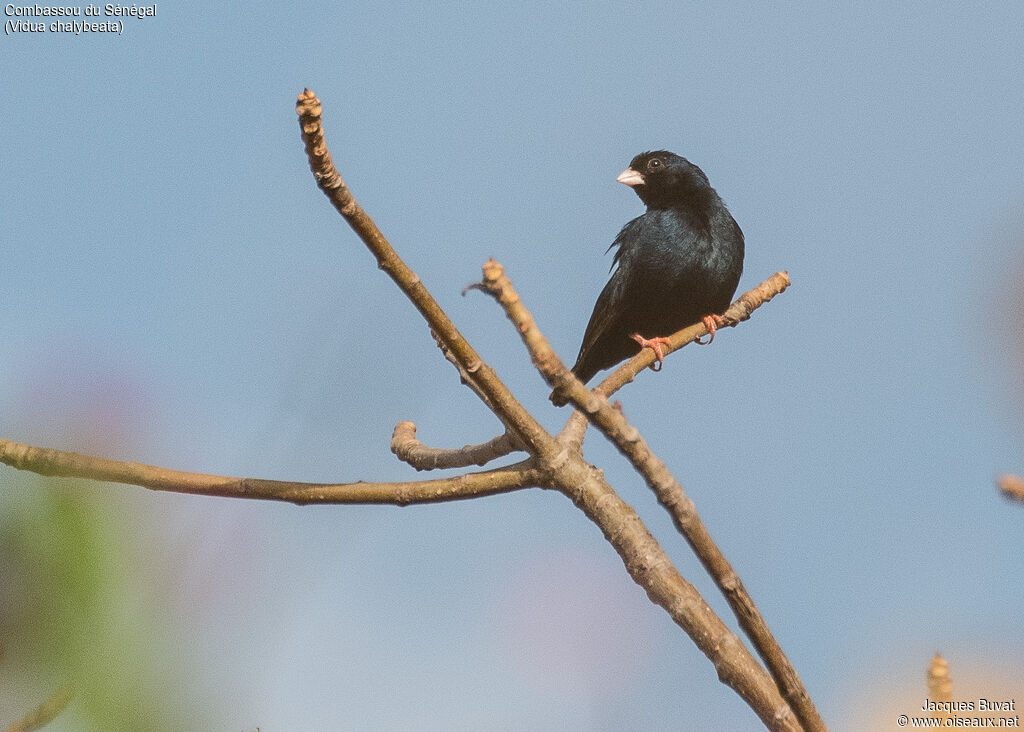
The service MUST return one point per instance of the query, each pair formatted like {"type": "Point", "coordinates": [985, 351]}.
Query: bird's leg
{"type": "Point", "coordinates": [655, 344]}
{"type": "Point", "coordinates": [711, 322]}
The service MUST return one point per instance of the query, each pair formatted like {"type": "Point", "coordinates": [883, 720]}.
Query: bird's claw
{"type": "Point", "coordinates": [711, 322]}
{"type": "Point", "coordinates": [655, 344]}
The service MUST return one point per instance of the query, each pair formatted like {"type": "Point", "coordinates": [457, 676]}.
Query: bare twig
{"type": "Point", "coordinates": [553, 463]}
{"type": "Point", "coordinates": [644, 559]}
{"type": "Point", "coordinates": [499, 398]}
{"type": "Point", "coordinates": [940, 686]}
{"type": "Point", "coordinates": [410, 450]}
{"type": "Point", "coordinates": [500, 446]}
{"type": "Point", "coordinates": [44, 713]}
{"type": "Point", "coordinates": [1012, 487]}
{"type": "Point", "coordinates": [465, 377]}
{"type": "Point", "coordinates": [670, 493]}
{"type": "Point", "coordinates": [737, 313]}
{"type": "Point", "coordinates": [940, 682]}
{"type": "Point", "coordinates": [651, 568]}
{"type": "Point", "coordinates": [50, 462]}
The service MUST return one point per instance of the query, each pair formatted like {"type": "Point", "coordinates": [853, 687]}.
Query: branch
{"type": "Point", "coordinates": [554, 463]}
{"type": "Point", "coordinates": [410, 450]}
{"type": "Point", "coordinates": [44, 713]}
{"type": "Point", "coordinates": [499, 399]}
{"type": "Point", "coordinates": [465, 378]}
{"type": "Point", "coordinates": [940, 682]}
{"type": "Point", "coordinates": [1012, 487]}
{"type": "Point", "coordinates": [656, 474]}
{"type": "Point", "coordinates": [652, 569]}
{"type": "Point", "coordinates": [45, 461]}
{"type": "Point", "coordinates": [497, 447]}
{"type": "Point", "coordinates": [940, 687]}
{"type": "Point", "coordinates": [645, 560]}
{"type": "Point", "coordinates": [738, 312]}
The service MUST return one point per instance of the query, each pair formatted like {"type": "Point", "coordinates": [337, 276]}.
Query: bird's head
{"type": "Point", "coordinates": [664, 179]}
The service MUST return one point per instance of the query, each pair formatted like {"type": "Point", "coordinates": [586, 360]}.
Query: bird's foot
{"type": "Point", "coordinates": [655, 344]}
{"type": "Point", "coordinates": [711, 322]}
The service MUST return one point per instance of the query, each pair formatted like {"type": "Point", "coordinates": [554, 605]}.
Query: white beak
{"type": "Point", "coordinates": [630, 178]}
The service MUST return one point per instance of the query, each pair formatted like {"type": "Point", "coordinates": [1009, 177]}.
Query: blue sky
{"type": "Point", "coordinates": [173, 275]}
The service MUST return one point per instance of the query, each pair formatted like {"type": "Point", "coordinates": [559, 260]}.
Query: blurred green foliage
{"type": "Point", "coordinates": [77, 612]}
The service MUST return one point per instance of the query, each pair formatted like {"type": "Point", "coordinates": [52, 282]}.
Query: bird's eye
{"type": "Point", "coordinates": [654, 164]}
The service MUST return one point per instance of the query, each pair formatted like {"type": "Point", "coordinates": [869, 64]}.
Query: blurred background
{"type": "Point", "coordinates": [176, 291]}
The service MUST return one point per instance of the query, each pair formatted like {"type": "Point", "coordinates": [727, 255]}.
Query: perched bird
{"type": "Point", "coordinates": [678, 263]}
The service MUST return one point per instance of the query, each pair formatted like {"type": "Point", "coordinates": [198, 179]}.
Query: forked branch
{"type": "Point", "coordinates": [614, 425]}
{"type": "Point", "coordinates": [59, 463]}
{"type": "Point", "coordinates": [553, 463]}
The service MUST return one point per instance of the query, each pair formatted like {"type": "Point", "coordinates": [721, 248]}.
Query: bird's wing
{"type": "Point", "coordinates": [605, 311]}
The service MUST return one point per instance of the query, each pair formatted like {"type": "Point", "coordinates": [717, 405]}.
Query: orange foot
{"type": "Point", "coordinates": [711, 322]}
{"type": "Point", "coordinates": [655, 344]}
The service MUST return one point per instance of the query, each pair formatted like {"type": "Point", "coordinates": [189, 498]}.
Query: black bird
{"type": "Point", "coordinates": [677, 264]}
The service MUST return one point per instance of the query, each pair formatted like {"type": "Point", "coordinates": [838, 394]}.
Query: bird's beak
{"type": "Point", "coordinates": [630, 178]}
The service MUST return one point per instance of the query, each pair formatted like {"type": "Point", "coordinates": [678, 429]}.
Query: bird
{"type": "Point", "coordinates": [676, 264]}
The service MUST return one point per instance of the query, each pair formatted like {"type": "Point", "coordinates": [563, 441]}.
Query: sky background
{"type": "Point", "coordinates": [176, 291]}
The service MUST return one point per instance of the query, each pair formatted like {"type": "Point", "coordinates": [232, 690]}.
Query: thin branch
{"type": "Point", "coordinates": [509, 410]}
{"type": "Point", "coordinates": [46, 461]}
{"type": "Point", "coordinates": [554, 464]}
{"type": "Point", "coordinates": [1012, 487]}
{"type": "Point", "coordinates": [44, 713]}
{"type": "Point", "coordinates": [656, 474]}
{"type": "Point", "coordinates": [940, 686]}
{"type": "Point", "coordinates": [738, 312]}
{"type": "Point", "coordinates": [553, 460]}
{"type": "Point", "coordinates": [497, 447]}
{"type": "Point", "coordinates": [652, 569]}
{"type": "Point", "coordinates": [409, 450]}
{"type": "Point", "coordinates": [499, 398]}
{"type": "Point", "coordinates": [644, 559]}
{"type": "Point", "coordinates": [940, 682]}
{"type": "Point", "coordinates": [465, 378]}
